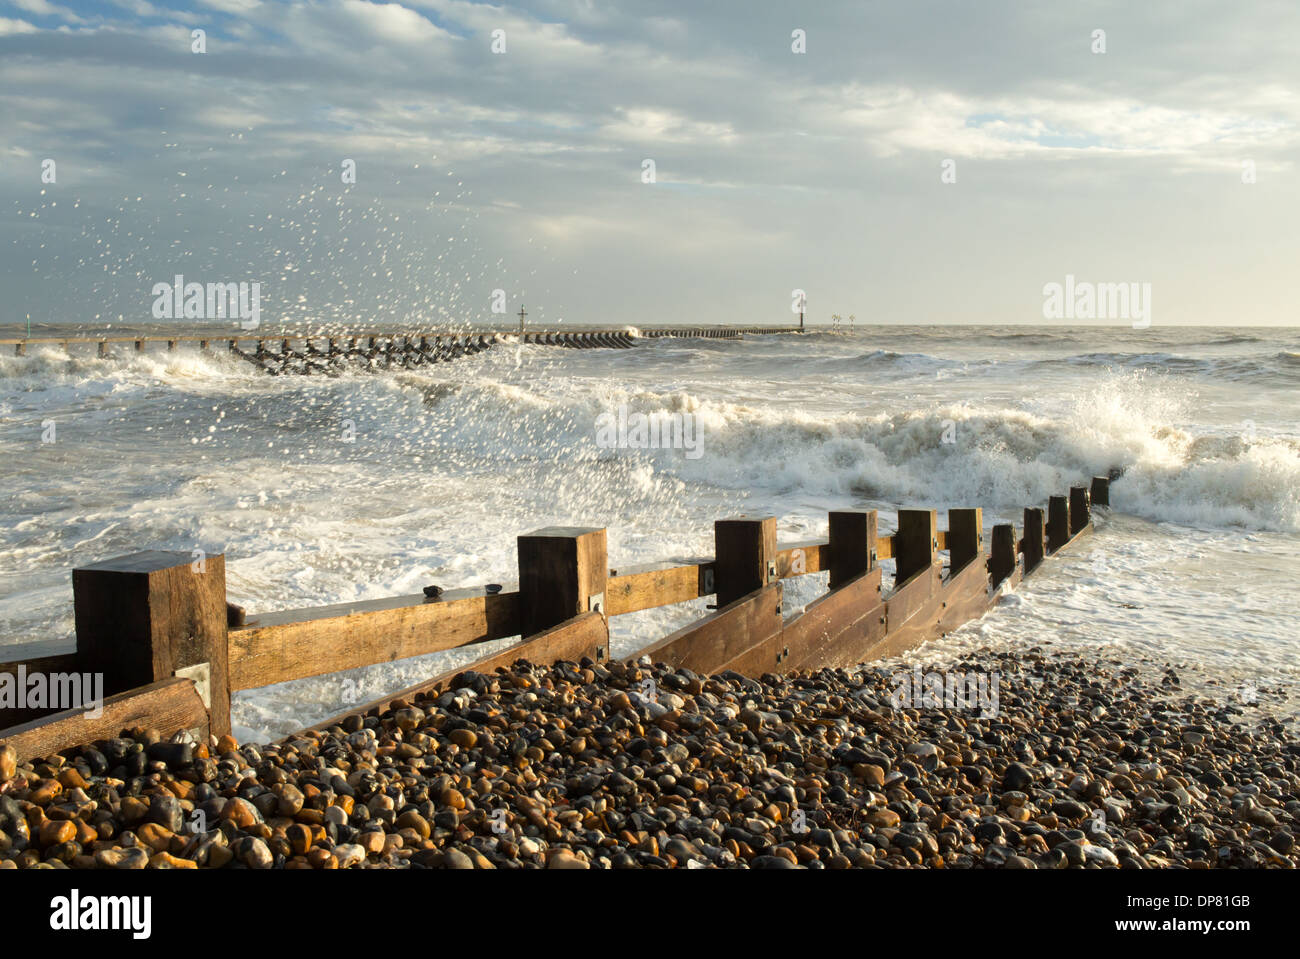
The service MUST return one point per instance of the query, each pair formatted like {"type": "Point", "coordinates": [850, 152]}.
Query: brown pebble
{"type": "Point", "coordinates": [54, 831]}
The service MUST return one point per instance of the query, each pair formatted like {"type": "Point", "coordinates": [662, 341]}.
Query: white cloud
{"type": "Point", "coordinates": [43, 8]}
{"type": "Point", "coordinates": [10, 27]}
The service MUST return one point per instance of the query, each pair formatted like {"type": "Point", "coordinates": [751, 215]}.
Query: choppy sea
{"type": "Point", "coordinates": [326, 490]}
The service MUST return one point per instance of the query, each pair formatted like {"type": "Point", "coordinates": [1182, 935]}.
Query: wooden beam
{"type": "Point", "coordinates": [1058, 522]}
{"type": "Point", "coordinates": [1002, 560]}
{"type": "Point", "coordinates": [884, 547]}
{"type": "Point", "coordinates": [1034, 548]}
{"type": "Point", "coordinates": [295, 644]}
{"type": "Point", "coordinates": [658, 585]}
{"type": "Point", "coordinates": [852, 544]}
{"type": "Point", "coordinates": [797, 559]}
{"type": "Point", "coordinates": [914, 543]}
{"type": "Point", "coordinates": [1080, 511]}
{"type": "Point", "coordinates": [141, 618]}
{"type": "Point", "coordinates": [706, 645]}
{"type": "Point", "coordinates": [563, 573]}
{"type": "Point", "coordinates": [908, 599]}
{"type": "Point", "coordinates": [966, 596]}
{"type": "Point", "coordinates": [745, 556]}
{"type": "Point", "coordinates": [965, 540]}
{"type": "Point", "coordinates": [1100, 491]}
{"type": "Point", "coordinates": [837, 629]}
{"type": "Point", "coordinates": [169, 706]}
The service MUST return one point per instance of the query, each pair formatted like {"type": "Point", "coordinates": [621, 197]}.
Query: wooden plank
{"type": "Point", "coordinates": [275, 648]}
{"type": "Point", "coordinates": [585, 636]}
{"type": "Point", "coordinates": [965, 539]}
{"type": "Point", "coordinates": [142, 617]}
{"type": "Point", "coordinates": [966, 596]}
{"type": "Point", "coordinates": [1074, 540]}
{"type": "Point", "coordinates": [706, 645]}
{"type": "Point", "coordinates": [765, 656]}
{"type": "Point", "coordinates": [563, 572]}
{"type": "Point", "coordinates": [798, 559]}
{"type": "Point", "coordinates": [169, 706]}
{"type": "Point", "coordinates": [885, 547]}
{"type": "Point", "coordinates": [853, 545]}
{"type": "Point", "coordinates": [660, 586]}
{"type": "Point", "coordinates": [912, 596]}
{"type": "Point", "coordinates": [745, 550]}
{"type": "Point", "coordinates": [1034, 547]}
{"type": "Point", "coordinates": [915, 542]}
{"type": "Point", "coordinates": [837, 629]}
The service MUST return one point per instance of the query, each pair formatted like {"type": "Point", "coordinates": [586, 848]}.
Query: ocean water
{"type": "Point", "coordinates": [325, 490]}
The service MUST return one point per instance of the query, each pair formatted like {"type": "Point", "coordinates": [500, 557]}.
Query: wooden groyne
{"type": "Point", "coordinates": [171, 650]}
{"type": "Point", "coordinates": [333, 353]}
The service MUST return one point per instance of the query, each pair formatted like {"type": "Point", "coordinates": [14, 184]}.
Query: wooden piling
{"type": "Point", "coordinates": [1034, 548]}
{"type": "Point", "coordinates": [153, 615]}
{"type": "Point", "coordinates": [1080, 513]}
{"type": "Point", "coordinates": [1058, 522]}
{"type": "Point", "coordinates": [965, 536]}
{"type": "Point", "coordinates": [914, 543]}
{"type": "Point", "coordinates": [1002, 559]}
{"type": "Point", "coordinates": [745, 561]}
{"type": "Point", "coordinates": [1100, 492]}
{"type": "Point", "coordinates": [852, 544]}
{"type": "Point", "coordinates": [563, 571]}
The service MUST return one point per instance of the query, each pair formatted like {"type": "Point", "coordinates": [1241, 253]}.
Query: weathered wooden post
{"type": "Point", "coordinates": [103, 348]}
{"type": "Point", "coordinates": [914, 543]}
{"type": "Point", "coordinates": [1058, 522]}
{"type": "Point", "coordinates": [562, 572]}
{"type": "Point", "coordinates": [1100, 492]}
{"type": "Point", "coordinates": [852, 544]}
{"type": "Point", "coordinates": [1080, 513]}
{"type": "Point", "coordinates": [745, 560]}
{"type": "Point", "coordinates": [1002, 558]}
{"type": "Point", "coordinates": [965, 536]}
{"type": "Point", "coordinates": [1034, 547]}
{"type": "Point", "coordinates": [153, 615]}
{"type": "Point", "coordinates": [20, 349]}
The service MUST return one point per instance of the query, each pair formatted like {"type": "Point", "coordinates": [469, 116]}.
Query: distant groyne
{"type": "Point", "coordinates": [332, 353]}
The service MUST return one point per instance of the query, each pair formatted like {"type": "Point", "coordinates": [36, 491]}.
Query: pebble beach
{"type": "Point", "coordinates": [1082, 765]}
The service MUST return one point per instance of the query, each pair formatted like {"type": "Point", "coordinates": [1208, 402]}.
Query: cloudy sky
{"type": "Point", "coordinates": [774, 170]}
